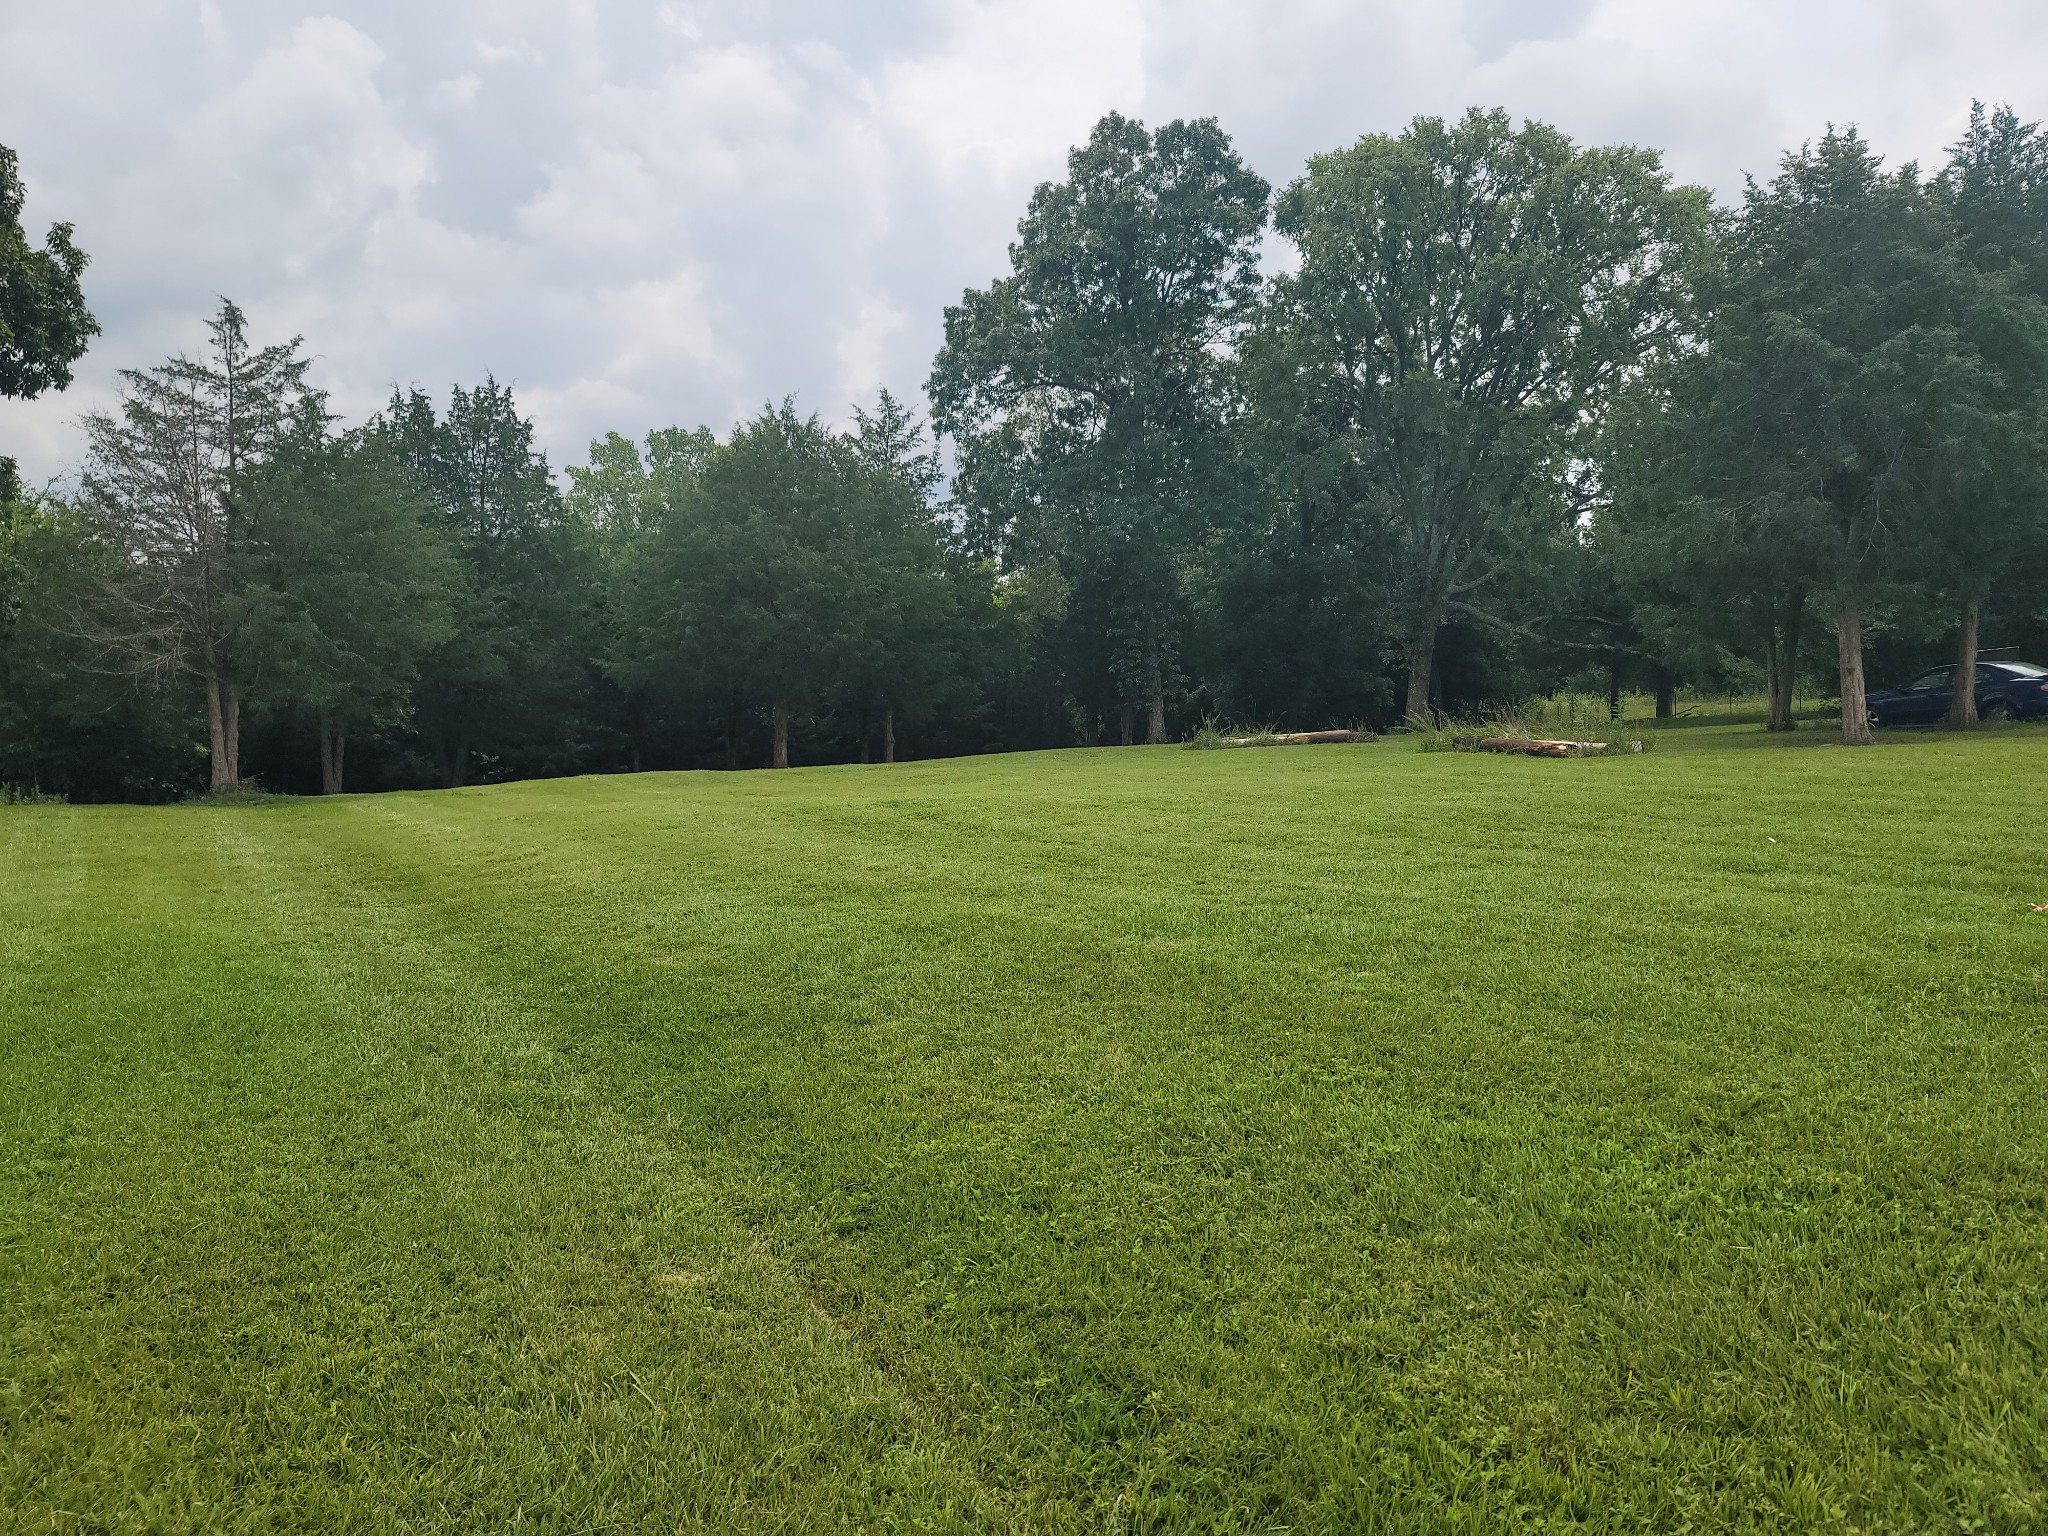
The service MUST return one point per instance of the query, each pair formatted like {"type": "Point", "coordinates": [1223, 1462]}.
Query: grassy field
{"type": "Point", "coordinates": [1325, 1139]}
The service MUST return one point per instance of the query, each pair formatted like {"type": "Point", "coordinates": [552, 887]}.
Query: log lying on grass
{"type": "Point", "coordinates": [1533, 746]}
{"type": "Point", "coordinates": [1296, 738]}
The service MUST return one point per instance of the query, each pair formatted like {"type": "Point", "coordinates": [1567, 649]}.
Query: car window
{"type": "Point", "coordinates": [1938, 678]}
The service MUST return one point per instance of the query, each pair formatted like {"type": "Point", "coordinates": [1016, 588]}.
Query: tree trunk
{"type": "Point", "coordinates": [332, 745]}
{"type": "Point", "coordinates": [455, 766]}
{"type": "Point", "coordinates": [1614, 690]}
{"type": "Point", "coordinates": [234, 734]}
{"type": "Point", "coordinates": [1962, 704]}
{"type": "Point", "coordinates": [1667, 696]}
{"type": "Point", "coordinates": [1124, 720]}
{"type": "Point", "coordinates": [867, 738]}
{"type": "Point", "coordinates": [779, 753]}
{"type": "Point", "coordinates": [888, 735]}
{"type": "Point", "coordinates": [222, 776]}
{"type": "Point", "coordinates": [1155, 711]}
{"type": "Point", "coordinates": [1855, 702]}
{"type": "Point", "coordinates": [1784, 662]}
{"type": "Point", "coordinates": [732, 734]}
{"type": "Point", "coordinates": [1421, 661]}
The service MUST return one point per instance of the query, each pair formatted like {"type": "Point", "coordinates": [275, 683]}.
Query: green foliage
{"type": "Point", "coordinates": [352, 586]}
{"type": "Point", "coordinates": [1523, 417]}
{"type": "Point", "coordinates": [168, 484]}
{"type": "Point", "coordinates": [1320, 1140]}
{"type": "Point", "coordinates": [1086, 391]}
{"type": "Point", "coordinates": [1435, 733]}
{"type": "Point", "coordinates": [620, 493]}
{"type": "Point", "coordinates": [1425, 379]}
{"type": "Point", "coordinates": [1997, 176]}
{"type": "Point", "coordinates": [1986, 528]}
{"type": "Point", "coordinates": [44, 324]}
{"type": "Point", "coordinates": [1584, 718]}
{"type": "Point", "coordinates": [515, 690]}
{"type": "Point", "coordinates": [793, 567]}
{"type": "Point", "coordinates": [70, 723]}
{"type": "Point", "coordinates": [1860, 413]}
{"type": "Point", "coordinates": [1211, 735]}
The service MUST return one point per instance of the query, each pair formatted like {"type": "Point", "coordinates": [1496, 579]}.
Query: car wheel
{"type": "Point", "coordinates": [1876, 721]}
{"type": "Point", "coordinates": [1997, 709]}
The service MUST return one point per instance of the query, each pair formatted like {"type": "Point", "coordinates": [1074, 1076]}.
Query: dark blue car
{"type": "Point", "coordinates": [2006, 690]}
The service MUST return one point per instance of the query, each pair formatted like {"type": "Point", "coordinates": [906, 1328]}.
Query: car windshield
{"type": "Point", "coordinates": [2020, 669]}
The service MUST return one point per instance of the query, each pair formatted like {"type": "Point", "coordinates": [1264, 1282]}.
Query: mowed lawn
{"type": "Point", "coordinates": [1323, 1139]}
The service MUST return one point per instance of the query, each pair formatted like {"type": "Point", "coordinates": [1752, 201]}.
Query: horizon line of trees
{"type": "Point", "coordinates": [1518, 415]}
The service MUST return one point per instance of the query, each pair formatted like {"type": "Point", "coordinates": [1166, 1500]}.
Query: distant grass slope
{"type": "Point", "coordinates": [1335, 1138]}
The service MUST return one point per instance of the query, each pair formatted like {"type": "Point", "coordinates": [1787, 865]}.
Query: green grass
{"type": "Point", "coordinates": [1338, 1139]}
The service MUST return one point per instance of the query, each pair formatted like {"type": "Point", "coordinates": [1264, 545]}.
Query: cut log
{"type": "Point", "coordinates": [1297, 738]}
{"type": "Point", "coordinates": [1533, 746]}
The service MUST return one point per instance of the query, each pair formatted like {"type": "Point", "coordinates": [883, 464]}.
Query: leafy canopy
{"type": "Point", "coordinates": [1085, 389]}
{"type": "Point", "coordinates": [44, 324]}
{"type": "Point", "coordinates": [1467, 297]}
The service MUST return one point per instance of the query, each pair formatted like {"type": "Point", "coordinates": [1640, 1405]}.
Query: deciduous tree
{"type": "Point", "coordinates": [1992, 496]}
{"type": "Point", "coordinates": [1087, 391]}
{"type": "Point", "coordinates": [44, 324]}
{"type": "Point", "coordinates": [1467, 297]}
{"type": "Point", "coordinates": [780, 575]}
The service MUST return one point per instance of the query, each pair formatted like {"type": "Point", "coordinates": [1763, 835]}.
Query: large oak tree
{"type": "Point", "coordinates": [1467, 297]}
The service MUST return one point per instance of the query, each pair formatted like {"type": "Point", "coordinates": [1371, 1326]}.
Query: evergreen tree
{"type": "Point", "coordinates": [352, 584]}
{"type": "Point", "coordinates": [918, 625]}
{"type": "Point", "coordinates": [167, 481]}
{"type": "Point", "coordinates": [517, 683]}
{"type": "Point", "coordinates": [70, 724]}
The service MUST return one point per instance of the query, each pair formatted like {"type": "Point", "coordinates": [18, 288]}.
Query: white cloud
{"type": "Point", "coordinates": [642, 214]}
{"type": "Point", "coordinates": [457, 92]}
{"type": "Point", "coordinates": [1006, 87]}
{"type": "Point", "coordinates": [862, 349]}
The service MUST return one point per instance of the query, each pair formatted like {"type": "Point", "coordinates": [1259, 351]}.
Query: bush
{"type": "Point", "coordinates": [20, 794]}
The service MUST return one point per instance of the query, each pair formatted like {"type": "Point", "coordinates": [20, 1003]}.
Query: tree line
{"type": "Point", "coordinates": [1507, 414]}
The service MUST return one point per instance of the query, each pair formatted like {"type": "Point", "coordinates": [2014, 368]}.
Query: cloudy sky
{"type": "Point", "coordinates": [642, 214]}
